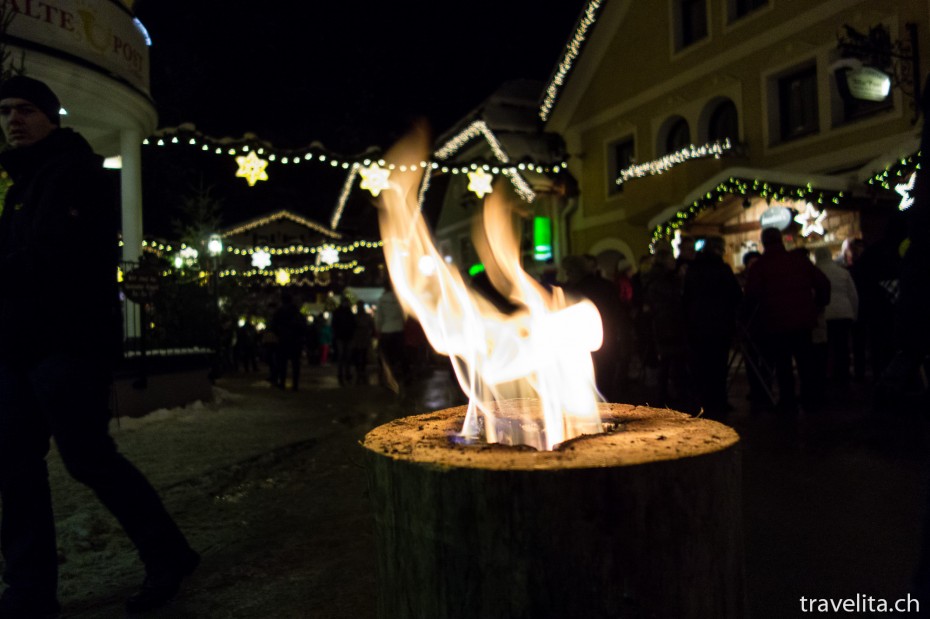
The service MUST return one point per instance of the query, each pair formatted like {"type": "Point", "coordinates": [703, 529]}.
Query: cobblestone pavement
{"type": "Point", "coordinates": [269, 484]}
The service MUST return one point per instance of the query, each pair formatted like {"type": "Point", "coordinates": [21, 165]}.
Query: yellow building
{"type": "Point", "coordinates": [701, 117]}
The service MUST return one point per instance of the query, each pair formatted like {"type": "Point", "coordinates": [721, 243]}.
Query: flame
{"type": "Point", "coordinates": [528, 374]}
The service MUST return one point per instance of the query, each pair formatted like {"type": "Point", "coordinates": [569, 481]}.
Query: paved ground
{"type": "Point", "coordinates": [270, 486]}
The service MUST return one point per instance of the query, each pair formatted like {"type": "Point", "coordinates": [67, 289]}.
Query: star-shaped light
{"type": "Point", "coordinates": [905, 190]}
{"type": "Point", "coordinates": [252, 168]}
{"type": "Point", "coordinates": [261, 260]}
{"type": "Point", "coordinates": [811, 220]}
{"type": "Point", "coordinates": [374, 179]}
{"type": "Point", "coordinates": [282, 277]}
{"type": "Point", "coordinates": [479, 182]}
{"type": "Point", "coordinates": [330, 255]}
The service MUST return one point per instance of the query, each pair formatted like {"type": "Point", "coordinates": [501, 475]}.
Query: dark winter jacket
{"type": "Point", "coordinates": [711, 298]}
{"type": "Point", "coordinates": [786, 291]}
{"type": "Point", "coordinates": [58, 251]}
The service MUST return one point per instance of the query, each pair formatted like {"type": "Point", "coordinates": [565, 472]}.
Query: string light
{"type": "Point", "coordinates": [658, 166]}
{"type": "Point", "coordinates": [283, 214]}
{"type": "Point", "coordinates": [744, 187]}
{"type": "Point", "coordinates": [572, 50]}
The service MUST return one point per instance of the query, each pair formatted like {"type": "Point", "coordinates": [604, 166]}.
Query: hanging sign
{"type": "Point", "coordinates": [776, 217]}
{"type": "Point", "coordinates": [868, 84]}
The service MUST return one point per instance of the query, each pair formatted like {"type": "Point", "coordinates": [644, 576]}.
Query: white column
{"type": "Point", "coordinates": [131, 190]}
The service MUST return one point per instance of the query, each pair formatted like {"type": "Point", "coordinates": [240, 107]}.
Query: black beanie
{"type": "Point", "coordinates": [35, 92]}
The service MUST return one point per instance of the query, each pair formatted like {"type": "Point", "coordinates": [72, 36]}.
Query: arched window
{"type": "Point", "coordinates": [679, 136]}
{"type": "Point", "coordinates": [724, 122]}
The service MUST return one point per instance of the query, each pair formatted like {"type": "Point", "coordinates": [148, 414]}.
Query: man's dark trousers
{"type": "Point", "coordinates": [65, 396]}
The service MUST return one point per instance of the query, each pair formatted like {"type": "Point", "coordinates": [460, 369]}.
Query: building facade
{"type": "Point", "coordinates": [700, 117]}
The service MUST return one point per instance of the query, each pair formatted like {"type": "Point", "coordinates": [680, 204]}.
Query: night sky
{"type": "Point", "coordinates": [348, 74]}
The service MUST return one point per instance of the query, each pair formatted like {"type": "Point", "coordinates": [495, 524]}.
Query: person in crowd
{"type": "Point", "coordinates": [583, 281]}
{"type": "Point", "coordinates": [687, 251]}
{"type": "Point", "coordinates": [326, 338]}
{"type": "Point", "coordinates": [840, 314]}
{"type": "Point", "coordinates": [389, 324]}
{"type": "Point", "coordinates": [288, 324]}
{"type": "Point", "coordinates": [625, 328]}
{"type": "Point", "coordinates": [246, 346]}
{"type": "Point", "coordinates": [645, 357]}
{"type": "Point", "coordinates": [711, 298]}
{"type": "Point", "coordinates": [664, 317]}
{"type": "Point", "coordinates": [852, 254]}
{"type": "Point", "coordinates": [361, 342]}
{"type": "Point", "coordinates": [758, 371]}
{"type": "Point", "coordinates": [787, 293]}
{"type": "Point", "coordinates": [55, 375]}
{"type": "Point", "coordinates": [312, 342]}
{"type": "Point", "coordinates": [343, 331]}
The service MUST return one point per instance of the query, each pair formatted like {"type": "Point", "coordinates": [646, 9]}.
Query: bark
{"type": "Point", "coordinates": [641, 521]}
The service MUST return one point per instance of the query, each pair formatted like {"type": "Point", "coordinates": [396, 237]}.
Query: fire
{"type": "Point", "coordinates": [528, 374]}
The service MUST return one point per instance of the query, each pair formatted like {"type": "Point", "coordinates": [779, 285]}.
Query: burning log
{"type": "Point", "coordinates": [643, 520]}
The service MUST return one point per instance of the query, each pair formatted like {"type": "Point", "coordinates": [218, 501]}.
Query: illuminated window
{"type": "Point", "coordinates": [797, 103]}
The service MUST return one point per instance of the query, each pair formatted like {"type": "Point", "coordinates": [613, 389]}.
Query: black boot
{"type": "Point", "coordinates": [162, 586]}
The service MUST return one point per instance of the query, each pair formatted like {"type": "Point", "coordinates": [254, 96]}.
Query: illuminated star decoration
{"type": "Point", "coordinates": [252, 168]}
{"type": "Point", "coordinates": [479, 182]}
{"type": "Point", "coordinates": [374, 178]}
{"type": "Point", "coordinates": [282, 277]}
{"type": "Point", "coordinates": [811, 220]}
{"type": "Point", "coordinates": [330, 255]}
{"type": "Point", "coordinates": [261, 260]}
{"type": "Point", "coordinates": [905, 190]}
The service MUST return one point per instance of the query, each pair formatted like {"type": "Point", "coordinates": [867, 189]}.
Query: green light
{"type": "Point", "coordinates": [475, 269]}
{"type": "Point", "coordinates": [542, 238]}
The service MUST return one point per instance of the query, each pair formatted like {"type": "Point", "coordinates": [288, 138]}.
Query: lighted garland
{"type": "Point", "coordinates": [897, 172]}
{"type": "Point", "coordinates": [160, 249]}
{"type": "Point", "coordinates": [311, 268]}
{"type": "Point", "coordinates": [663, 164]}
{"type": "Point", "coordinates": [744, 187]}
{"type": "Point", "coordinates": [247, 147]}
{"type": "Point", "coordinates": [572, 51]}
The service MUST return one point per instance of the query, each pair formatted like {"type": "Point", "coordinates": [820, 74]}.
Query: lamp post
{"type": "Point", "coordinates": [215, 250]}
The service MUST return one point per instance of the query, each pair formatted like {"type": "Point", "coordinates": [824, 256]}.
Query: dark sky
{"type": "Point", "coordinates": [347, 73]}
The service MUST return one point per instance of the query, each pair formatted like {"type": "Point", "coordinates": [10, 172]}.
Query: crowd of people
{"type": "Point", "coordinates": [679, 328]}
{"type": "Point", "coordinates": [353, 337]}
{"type": "Point", "coordinates": [676, 330]}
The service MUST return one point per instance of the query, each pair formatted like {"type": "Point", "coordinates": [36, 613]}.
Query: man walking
{"type": "Point", "coordinates": [55, 371]}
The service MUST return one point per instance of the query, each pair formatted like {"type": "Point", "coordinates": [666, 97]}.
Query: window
{"type": "Point", "coordinates": [620, 156]}
{"type": "Point", "coordinates": [724, 122]}
{"type": "Point", "coordinates": [691, 22]}
{"type": "Point", "coordinates": [679, 136]}
{"type": "Point", "coordinates": [742, 8]}
{"type": "Point", "coordinates": [797, 103]}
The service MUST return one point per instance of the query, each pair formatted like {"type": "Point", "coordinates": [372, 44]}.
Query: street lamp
{"type": "Point", "coordinates": [215, 249]}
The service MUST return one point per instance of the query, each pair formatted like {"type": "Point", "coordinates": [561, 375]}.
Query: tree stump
{"type": "Point", "coordinates": [643, 520]}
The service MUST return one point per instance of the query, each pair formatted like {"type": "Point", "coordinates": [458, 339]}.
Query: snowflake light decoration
{"type": "Point", "coordinates": [811, 220]}
{"type": "Point", "coordinates": [252, 168]}
{"type": "Point", "coordinates": [282, 277]}
{"type": "Point", "coordinates": [329, 255]}
{"type": "Point", "coordinates": [261, 260]}
{"type": "Point", "coordinates": [479, 182]}
{"type": "Point", "coordinates": [374, 178]}
{"type": "Point", "coordinates": [905, 189]}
